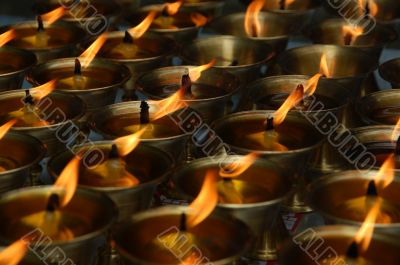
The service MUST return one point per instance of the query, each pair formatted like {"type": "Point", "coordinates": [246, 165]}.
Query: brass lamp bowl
{"type": "Point", "coordinates": [213, 8]}
{"type": "Point", "coordinates": [15, 63]}
{"type": "Point", "coordinates": [263, 187]}
{"type": "Point", "coordinates": [380, 142]}
{"type": "Point", "coordinates": [389, 72]}
{"type": "Point", "coordinates": [262, 92]}
{"type": "Point", "coordinates": [299, 13]}
{"type": "Point", "coordinates": [153, 51]}
{"type": "Point", "coordinates": [185, 29]}
{"type": "Point", "coordinates": [351, 66]}
{"type": "Point", "coordinates": [58, 113]}
{"type": "Point", "coordinates": [342, 198]}
{"type": "Point", "coordinates": [88, 217]}
{"type": "Point", "coordinates": [210, 95]}
{"type": "Point", "coordinates": [275, 29]}
{"type": "Point", "coordinates": [61, 39]}
{"type": "Point", "coordinates": [242, 133]}
{"type": "Point", "coordinates": [149, 164]}
{"type": "Point", "coordinates": [240, 56]}
{"type": "Point", "coordinates": [380, 107]}
{"type": "Point", "coordinates": [92, 15]}
{"type": "Point", "coordinates": [115, 121]}
{"type": "Point", "coordinates": [104, 79]}
{"type": "Point", "coordinates": [331, 32]}
{"type": "Point", "coordinates": [386, 10]}
{"type": "Point", "coordinates": [145, 233]}
{"type": "Point", "coordinates": [269, 94]}
{"type": "Point", "coordinates": [335, 241]}
{"type": "Point", "coordinates": [20, 155]}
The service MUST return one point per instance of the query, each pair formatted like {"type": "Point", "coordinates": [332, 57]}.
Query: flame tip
{"type": "Point", "coordinates": [205, 202]}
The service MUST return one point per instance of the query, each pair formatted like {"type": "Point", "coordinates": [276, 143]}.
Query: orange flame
{"type": "Point", "coordinates": [190, 260]}
{"type": "Point", "coordinates": [170, 104]}
{"type": "Point", "coordinates": [139, 30]}
{"type": "Point", "coordinates": [373, 8]}
{"type": "Point", "coordinates": [195, 73]}
{"type": "Point", "coordinates": [288, 3]}
{"type": "Point", "coordinates": [323, 66]}
{"type": "Point", "coordinates": [361, 7]}
{"type": "Point", "coordinates": [40, 92]}
{"type": "Point", "coordinates": [87, 56]}
{"type": "Point", "coordinates": [364, 234]}
{"type": "Point", "coordinates": [68, 180]}
{"type": "Point", "coordinates": [312, 84]}
{"type": "Point", "coordinates": [205, 202]}
{"type": "Point", "coordinates": [396, 131]}
{"type": "Point", "coordinates": [7, 36]}
{"type": "Point", "coordinates": [252, 23]}
{"type": "Point", "coordinates": [14, 253]}
{"type": "Point", "coordinates": [238, 167]}
{"type": "Point", "coordinates": [386, 174]}
{"type": "Point", "coordinates": [198, 19]}
{"type": "Point", "coordinates": [54, 15]}
{"type": "Point", "coordinates": [173, 8]}
{"type": "Point", "coordinates": [353, 32]}
{"type": "Point", "coordinates": [6, 127]}
{"type": "Point", "coordinates": [127, 144]}
{"type": "Point", "coordinates": [290, 102]}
